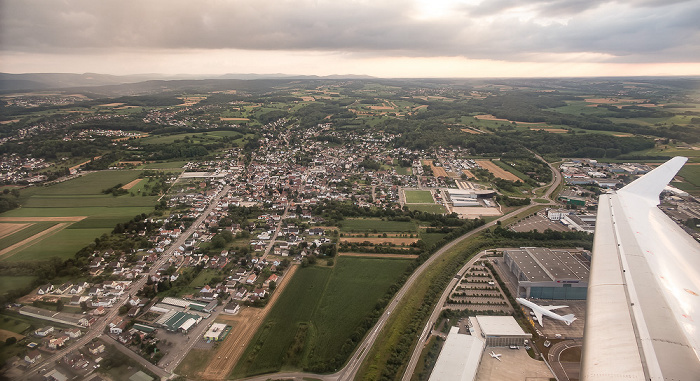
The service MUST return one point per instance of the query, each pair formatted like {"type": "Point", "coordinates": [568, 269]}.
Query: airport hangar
{"type": "Point", "coordinates": [549, 274]}
{"type": "Point", "coordinates": [468, 197]}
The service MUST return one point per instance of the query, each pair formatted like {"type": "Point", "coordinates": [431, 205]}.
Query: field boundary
{"type": "Point", "coordinates": [31, 240]}
{"type": "Point", "coordinates": [233, 347]}
{"type": "Point", "coordinates": [383, 256]}
{"type": "Point", "coordinates": [43, 219]}
{"type": "Point", "coordinates": [15, 228]}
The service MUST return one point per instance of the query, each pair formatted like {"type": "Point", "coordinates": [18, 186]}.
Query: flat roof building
{"type": "Point", "coordinates": [215, 332]}
{"type": "Point", "coordinates": [459, 358]}
{"type": "Point", "coordinates": [549, 274]}
{"type": "Point", "coordinates": [498, 331]}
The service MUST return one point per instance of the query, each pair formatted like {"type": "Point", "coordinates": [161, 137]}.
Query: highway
{"type": "Point", "coordinates": [425, 335]}
{"type": "Point", "coordinates": [349, 371]}
{"type": "Point", "coordinates": [99, 327]}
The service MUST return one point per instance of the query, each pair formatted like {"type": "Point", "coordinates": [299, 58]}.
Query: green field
{"type": "Point", "coordinates": [200, 137]}
{"type": "Point", "coordinates": [318, 312]}
{"type": "Point", "coordinates": [418, 197]}
{"type": "Point", "coordinates": [63, 244]}
{"type": "Point", "coordinates": [691, 179]}
{"type": "Point", "coordinates": [81, 196]}
{"type": "Point", "coordinates": [371, 224]}
{"type": "Point", "coordinates": [431, 238]}
{"type": "Point", "coordinates": [435, 208]}
{"type": "Point", "coordinates": [25, 233]}
{"type": "Point", "coordinates": [89, 184]}
{"type": "Point", "coordinates": [165, 165]}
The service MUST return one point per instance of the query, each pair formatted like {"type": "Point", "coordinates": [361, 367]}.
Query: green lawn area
{"type": "Point", "coordinates": [403, 170]}
{"type": "Point", "coordinates": [418, 197]}
{"type": "Point", "coordinates": [435, 208]}
{"type": "Point", "coordinates": [8, 282]}
{"type": "Point", "coordinates": [371, 224]}
{"type": "Point", "coordinates": [203, 278]}
{"type": "Point", "coordinates": [319, 311]}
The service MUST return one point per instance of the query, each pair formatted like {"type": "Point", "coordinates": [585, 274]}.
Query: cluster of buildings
{"type": "Point", "coordinates": [21, 169]}
{"type": "Point", "coordinates": [603, 175]}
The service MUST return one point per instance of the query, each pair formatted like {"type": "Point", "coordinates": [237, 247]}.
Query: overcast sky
{"type": "Point", "coordinates": [386, 38]}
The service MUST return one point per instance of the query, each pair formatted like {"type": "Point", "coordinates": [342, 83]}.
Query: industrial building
{"type": "Point", "coordinates": [459, 358]}
{"type": "Point", "coordinates": [215, 332]}
{"type": "Point", "coordinates": [549, 274]}
{"type": "Point", "coordinates": [467, 197]}
{"type": "Point", "coordinates": [498, 331]}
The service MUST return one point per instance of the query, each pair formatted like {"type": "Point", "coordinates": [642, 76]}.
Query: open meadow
{"type": "Point", "coordinates": [65, 217]}
{"type": "Point", "coordinates": [418, 197]}
{"type": "Point", "coordinates": [319, 311]}
{"type": "Point", "coordinates": [372, 224]}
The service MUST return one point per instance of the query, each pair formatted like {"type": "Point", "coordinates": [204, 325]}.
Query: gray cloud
{"type": "Point", "coordinates": [642, 31]}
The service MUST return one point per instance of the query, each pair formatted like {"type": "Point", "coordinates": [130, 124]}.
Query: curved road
{"type": "Point", "coordinates": [349, 371]}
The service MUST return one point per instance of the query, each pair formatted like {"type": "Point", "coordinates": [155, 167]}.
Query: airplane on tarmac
{"type": "Point", "coordinates": [497, 356]}
{"type": "Point", "coordinates": [546, 311]}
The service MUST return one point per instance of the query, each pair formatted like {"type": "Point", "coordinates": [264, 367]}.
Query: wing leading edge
{"type": "Point", "coordinates": [643, 296]}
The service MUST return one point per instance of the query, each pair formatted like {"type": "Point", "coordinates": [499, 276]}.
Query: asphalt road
{"type": "Point", "coordinates": [554, 358]}
{"type": "Point", "coordinates": [349, 371]}
{"type": "Point", "coordinates": [425, 335]}
{"type": "Point", "coordinates": [97, 329]}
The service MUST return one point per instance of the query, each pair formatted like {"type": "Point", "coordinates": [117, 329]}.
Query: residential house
{"type": "Point", "coordinates": [96, 347]}
{"type": "Point", "coordinates": [59, 342]}
{"type": "Point", "coordinates": [32, 356]}
{"type": "Point", "coordinates": [232, 308]}
{"type": "Point", "coordinates": [45, 331]}
{"type": "Point", "coordinates": [74, 333]}
{"type": "Point", "coordinates": [272, 278]}
{"type": "Point", "coordinates": [45, 289]}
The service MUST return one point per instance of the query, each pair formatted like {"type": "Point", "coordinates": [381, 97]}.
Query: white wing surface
{"type": "Point", "coordinates": [643, 310]}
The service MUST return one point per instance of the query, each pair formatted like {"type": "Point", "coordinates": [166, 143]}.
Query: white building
{"type": "Point", "coordinates": [459, 358]}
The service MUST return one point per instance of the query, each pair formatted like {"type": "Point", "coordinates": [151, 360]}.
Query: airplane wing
{"type": "Point", "coordinates": [552, 307]}
{"type": "Point", "coordinates": [538, 316]}
{"type": "Point", "coordinates": [643, 309]}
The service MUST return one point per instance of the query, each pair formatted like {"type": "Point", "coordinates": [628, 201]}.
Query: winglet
{"type": "Point", "coordinates": [653, 183]}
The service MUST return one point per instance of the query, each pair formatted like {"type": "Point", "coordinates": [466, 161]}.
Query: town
{"type": "Point", "coordinates": [174, 250]}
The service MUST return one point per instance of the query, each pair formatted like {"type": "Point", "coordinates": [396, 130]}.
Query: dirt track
{"type": "Point", "coordinates": [131, 184]}
{"type": "Point", "coordinates": [496, 170]}
{"type": "Point", "coordinates": [35, 237]}
{"type": "Point", "coordinates": [42, 219]}
{"type": "Point", "coordinates": [248, 322]}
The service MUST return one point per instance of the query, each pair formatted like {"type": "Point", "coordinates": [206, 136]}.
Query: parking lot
{"type": "Point", "coordinates": [539, 223]}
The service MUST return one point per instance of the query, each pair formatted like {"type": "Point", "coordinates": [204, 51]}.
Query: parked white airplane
{"type": "Point", "coordinates": [546, 311]}
{"type": "Point", "coordinates": [497, 356]}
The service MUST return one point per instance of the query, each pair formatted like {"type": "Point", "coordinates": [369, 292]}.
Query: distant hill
{"type": "Point", "coordinates": [54, 81]}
